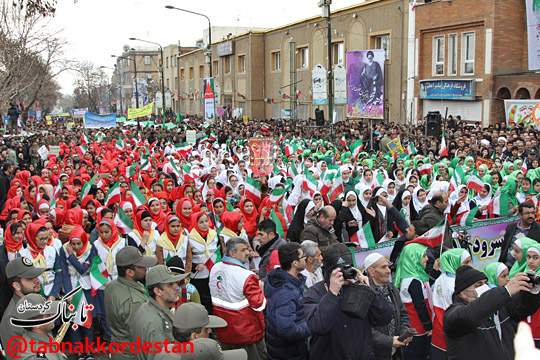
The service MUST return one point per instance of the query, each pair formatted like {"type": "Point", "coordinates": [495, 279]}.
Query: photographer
{"type": "Point", "coordinates": [341, 310]}
{"type": "Point", "coordinates": [478, 324]}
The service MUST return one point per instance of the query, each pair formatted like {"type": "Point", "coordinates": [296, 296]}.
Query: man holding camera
{"type": "Point", "coordinates": [478, 324]}
{"type": "Point", "coordinates": [341, 310]}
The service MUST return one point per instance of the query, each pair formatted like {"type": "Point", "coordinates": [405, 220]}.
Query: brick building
{"type": "Point", "coordinates": [469, 57]}
{"type": "Point", "coordinates": [261, 64]}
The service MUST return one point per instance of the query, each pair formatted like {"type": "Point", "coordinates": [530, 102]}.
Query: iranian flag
{"type": "Point", "coordinates": [425, 169]}
{"type": "Point", "coordinates": [524, 167]}
{"type": "Point", "coordinates": [120, 145]}
{"type": "Point", "coordinates": [204, 140]}
{"type": "Point", "coordinates": [411, 150]}
{"type": "Point", "coordinates": [183, 148]}
{"type": "Point", "coordinates": [444, 150]}
{"type": "Point", "coordinates": [310, 183]}
{"type": "Point", "coordinates": [475, 182]}
{"type": "Point", "coordinates": [457, 178]}
{"type": "Point", "coordinates": [123, 222]}
{"type": "Point", "coordinates": [279, 226]}
{"type": "Point", "coordinates": [170, 167]}
{"type": "Point", "coordinates": [356, 147]}
{"type": "Point", "coordinates": [433, 237]}
{"type": "Point", "coordinates": [343, 141]}
{"type": "Point", "coordinates": [466, 217]}
{"type": "Point", "coordinates": [278, 194]}
{"type": "Point", "coordinates": [77, 302]}
{"type": "Point", "coordinates": [137, 195]}
{"type": "Point", "coordinates": [131, 171]}
{"type": "Point", "coordinates": [338, 188]}
{"type": "Point", "coordinates": [499, 205]}
{"type": "Point", "coordinates": [81, 150]}
{"type": "Point", "coordinates": [213, 259]}
{"type": "Point", "coordinates": [253, 190]}
{"type": "Point", "coordinates": [325, 184]}
{"type": "Point", "coordinates": [98, 274]}
{"type": "Point", "coordinates": [86, 187]}
{"type": "Point", "coordinates": [84, 139]}
{"type": "Point", "coordinates": [212, 136]}
{"type": "Point", "coordinates": [288, 150]}
{"type": "Point", "coordinates": [145, 165]}
{"type": "Point", "coordinates": [113, 195]}
{"type": "Point", "coordinates": [268, 101]}
{"type": "Point", "coordinates": [364, 237]}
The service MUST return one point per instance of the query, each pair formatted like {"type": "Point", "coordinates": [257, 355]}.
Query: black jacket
{"type": "Point", "coordinates": [339, 336]}
{"type": "Point", "coordinates": [534, 233]}
{"type": "Point", "coordinates": [470, 331]}
{"type": "Point", "coordinates": [382, 342]}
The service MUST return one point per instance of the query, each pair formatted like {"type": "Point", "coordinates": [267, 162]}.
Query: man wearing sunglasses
{"type": "Point", "coordinates": [286, 327]}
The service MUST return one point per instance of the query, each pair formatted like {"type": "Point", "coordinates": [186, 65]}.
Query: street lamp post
{"type": "Point", "coordinates": [109, 87]}
{"type": "Point", "coordinates": [162, 78]}
{"type": "Point", "coordinates": [209, 47]}
{"type": "Point", "coordinates": [136, 85]}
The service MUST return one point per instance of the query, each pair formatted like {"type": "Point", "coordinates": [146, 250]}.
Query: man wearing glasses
{"type": "Point", "coordinates": [526, 227]}
{"type": "Point", "coordinates": [286, 327]}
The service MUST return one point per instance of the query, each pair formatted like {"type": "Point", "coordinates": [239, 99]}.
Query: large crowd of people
{"type": "Point", "coordinates": [180, 241]}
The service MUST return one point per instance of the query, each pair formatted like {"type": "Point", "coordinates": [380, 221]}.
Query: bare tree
{"type": "Point", "coordinates": [36, 7]}
{"type": "Point", "coordinates": [90, 85]}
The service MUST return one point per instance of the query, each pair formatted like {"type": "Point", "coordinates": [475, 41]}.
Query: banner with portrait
{"type": "Point", "coordinates": [261, 154]}
{"type": "Point", "coordinates": [384, 248]}
{"type": "Point", "coordinates": [365, 84]}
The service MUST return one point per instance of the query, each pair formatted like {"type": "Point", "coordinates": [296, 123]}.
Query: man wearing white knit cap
{"type": "Point", "coordinates": [385, 338]}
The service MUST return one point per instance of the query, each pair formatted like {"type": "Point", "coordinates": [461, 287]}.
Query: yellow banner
{"type": "Point", "coordinates": [47, 117]}
{"type": "Point", "coordinates": [140, 112]}
{"type": "Point", "coordinates": [395, 146]}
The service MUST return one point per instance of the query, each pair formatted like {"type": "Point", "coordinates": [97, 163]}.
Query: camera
{"type": "Point", "coordinates": [533, 279]}
{"type": "Point", "coordinates": [349, 272]}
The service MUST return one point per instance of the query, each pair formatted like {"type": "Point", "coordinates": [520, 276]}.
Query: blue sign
{"type": "Point", "coordinates": [447, 89]}
{"type": "Point", "coordinates": [6, 119]}
{"type": "Point", "coordinates": [95, 121]}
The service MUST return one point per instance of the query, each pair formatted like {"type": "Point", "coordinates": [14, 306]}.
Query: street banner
{"type": "Point", "coordinates": [209, 99]}
{"type": "Point", "coordinates": [43, 152]}
{"type": "Point", "coordinates": [340, 85]}
{"type": "Point", "coordinates": [318, 78]}
{"type": "Point", "coordinates": [140, 112]}
{"type": "Point", "coordinates": [395, 146]}
{"type": "Point", "coordinates": [486, 238]}
{"type": "Point", "coordinates": [168, 100]}
{"type": "Point", "coordinates": [261, 153]}
{"type": "Point", "coordinates": [365, 84]}
{"type": "Point", "coordinates": [79, 112]}
{"type": "Point", "coordinates": [95, 121]}
{"type": "Point", "coordinates": [480, 161]}
{"type": "Point", "coordinates": [533, 33]}
{"type": "Point", "coordinates": [383, 247]}
{"type": "Point", "coordinates": [191, 137]}
{"type": "Point", "coordinates": [521, 112]}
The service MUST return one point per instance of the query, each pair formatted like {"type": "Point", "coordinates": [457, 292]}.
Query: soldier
{"type": "Point", "coordinates": [126, 294]}
{"type": "Point", "coordinates": [35, 309]}
{"type": "Point", "coordinates": [154, 320]}
{"type": "Point", "coordinates": [205, 348]}
{"type": "Point", "coordinates": [23, 278]}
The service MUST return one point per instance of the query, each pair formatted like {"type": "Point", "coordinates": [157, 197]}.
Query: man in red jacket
{"type": "Point", "coordinates": [238, 299]}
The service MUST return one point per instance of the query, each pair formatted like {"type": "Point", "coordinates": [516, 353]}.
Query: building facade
{"type": "Point", "coordinates": [277, 64]}
{"type": "Point", "coordinates": [473, 60]}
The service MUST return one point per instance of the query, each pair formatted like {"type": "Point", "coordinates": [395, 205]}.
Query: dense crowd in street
{"type": "Point", "coordinates": [180, 241]}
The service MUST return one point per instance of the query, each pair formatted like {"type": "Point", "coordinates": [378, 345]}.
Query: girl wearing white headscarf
{"type": "Point", "coordinates": [419, 199]}
{"type": "Point", "coordinates": [482, 200]}
{"type": "Point", "coordinates": [350, 218]}
{"type": "Point", "coordinates": [390, 190]}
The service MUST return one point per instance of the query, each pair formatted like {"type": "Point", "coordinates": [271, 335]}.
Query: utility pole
{"type": "Point", "coordinates": [325, 5]}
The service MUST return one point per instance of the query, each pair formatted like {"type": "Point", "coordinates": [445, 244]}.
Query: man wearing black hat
{"type": "Point", "coordinates": [23, 278]}
{"type": "Point", "coordinates": [341, 311]}
{"type": "Point", "coordinates": [126, 294]}
{"type": "Point", "coordinates": [478, 325]}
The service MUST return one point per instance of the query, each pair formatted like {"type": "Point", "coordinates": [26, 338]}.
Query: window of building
{"type": "Point", "coordinates": [147, 60]}
{"type": "Point", "coordinates": [215, 68]}
{"type": "Point", "coordinates": [176, 83]}
{"type": "Point", "coordinates": [467, 53]}
{"type": "Point", "coordinates": [452, 54]}
{"type": "Point", "coordinates": [337, 53]}
{"type": "Point", "coordinates": [302, 58]}
{"type": "Point", "coordinates": [242, 63]}
{"type": "Point", "coordinates": [201, 71]}
{"type": "Point", "coordinates": [276, 61]}
{"type": "Point", "coordinates": [148, 76]}
{"type": "Point", "coordinates": [438, 55]}
{"type": "Point", "coordinates": [227, 64]}
{"type": "Point", "coordinates": [181, 74]}
{"type": "Point", "coordinates": [168, 86]}
{"type": "Point", "coordinates": [383, 42]}
{"type": "Point", "coordinates": [191, 73]}
{"type": "Point", "coordinates": [167, 62]}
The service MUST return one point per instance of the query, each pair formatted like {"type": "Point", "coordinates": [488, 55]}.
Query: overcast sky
{"type": "Point", "coordinates": [95, 29]}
